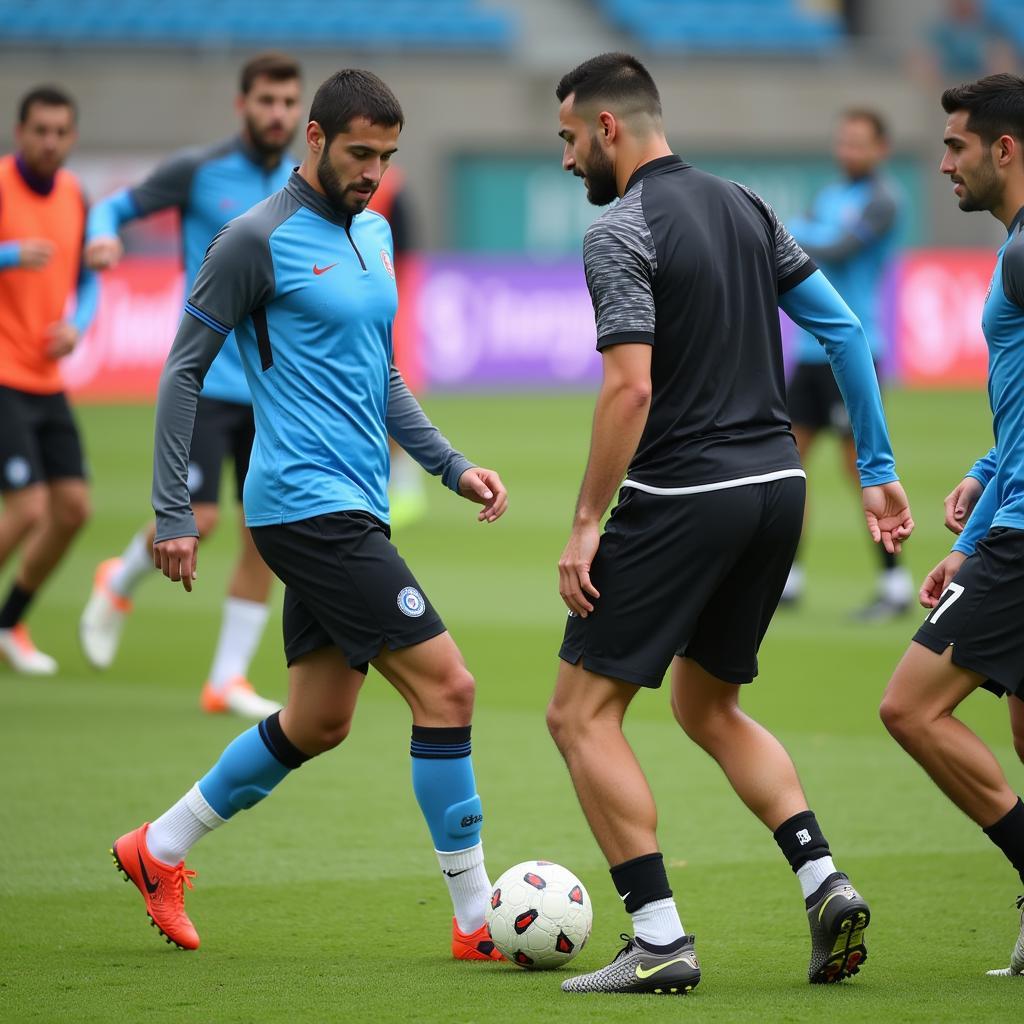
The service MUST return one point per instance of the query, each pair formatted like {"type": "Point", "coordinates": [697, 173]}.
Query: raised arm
{"type": "Point", "coordinates": [835, 243]}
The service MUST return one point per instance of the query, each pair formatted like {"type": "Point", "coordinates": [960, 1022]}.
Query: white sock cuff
{"type": "Point", "coordinates": [656, 906]}
{"type": "Point", "coordinates": [253, 612]}
{"type": "Point", "coordinates": [461, 859]}
{"type": "Point", "coordinates": [198, 805]}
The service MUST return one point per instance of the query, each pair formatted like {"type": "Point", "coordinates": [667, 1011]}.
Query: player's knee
{"type": "Point", "coordinates": [898, 718]}
{"type": "Point", "coordinates": [207, 518]}
{"type": "Point", "coordinates": [456, 694]}
{"type": "Point", "coordinates": [27, 508]}
{"type": "Point", "coordinates": [73, 512]}
{"type": "Point", "coordinates": [565, 725]}
{"type": "Point", "coordinates": [331, 732]}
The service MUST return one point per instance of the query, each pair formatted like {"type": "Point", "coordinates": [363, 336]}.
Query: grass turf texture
{"type": "Point", "coordinates": [325, 903]}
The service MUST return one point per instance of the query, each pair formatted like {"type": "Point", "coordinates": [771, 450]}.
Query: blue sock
{"type": "Point", "coordinates": [442, 779]}
{"type": "Point", "coordinates": [250, 767]}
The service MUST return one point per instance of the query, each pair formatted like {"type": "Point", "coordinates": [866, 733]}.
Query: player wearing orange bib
{"type": "Point", "coordinates": [42, 474]}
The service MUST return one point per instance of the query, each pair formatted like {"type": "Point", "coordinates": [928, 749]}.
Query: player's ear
{"type": "Point", "coordinates": [315, 137]}
{"type": "Point", "coordinates": [607, 126]}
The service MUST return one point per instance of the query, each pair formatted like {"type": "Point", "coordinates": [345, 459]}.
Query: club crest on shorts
{"type": "Point", "coordinates": [411, 603]}
{"type": "Point", "coordinates": [385, 258]}
{"type": "Point", "coordinates": [17, 471]}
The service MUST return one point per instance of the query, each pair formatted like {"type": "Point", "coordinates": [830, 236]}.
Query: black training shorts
{"type": "Point", "coordinates": [815, 401]}
{"type": "Point", "coordinates": [698, 575]}
{"type": "Point", "coordinates": [345, 585]}
{"type": "Point", "coordinates": [39, 440]}
{"type": "Point", "coordinates": [981, 613]}
{"type": "Point", "coordinates": [222, 430]}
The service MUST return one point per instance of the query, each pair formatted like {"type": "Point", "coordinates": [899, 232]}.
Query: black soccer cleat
{"type": "Point", "coordinates": [838, 916]}
{"type": "Point", "coordinates": [637, 970]}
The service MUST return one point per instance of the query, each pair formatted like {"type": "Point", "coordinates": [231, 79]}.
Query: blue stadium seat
{"type": "Point", "coordinates": [736, 26]}
{"type": "Point", "coordinates": [385, 25]}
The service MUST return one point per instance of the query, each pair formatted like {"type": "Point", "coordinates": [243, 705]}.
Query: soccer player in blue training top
{"type": "Point", "coordinates": [208, 186]}
{"type": "Point", "coordinates": [687, 274]}
{"type": "Point", "coordinates": [972, 637]}
{"type": "Point", "coordinates": [850, 233]}
{"type": "Point", "coordinates": [305, 280]}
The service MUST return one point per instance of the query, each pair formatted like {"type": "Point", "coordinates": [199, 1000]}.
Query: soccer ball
{"type": "Point", "coordinates": [540, 915]}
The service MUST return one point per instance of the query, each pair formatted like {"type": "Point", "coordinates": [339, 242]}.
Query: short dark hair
{"type": "Point", "coordinates": [612, 77]}
{"type": "Point", "coordinates": [994, 105]}
{"type": "Point", "coordinates": [873, 118]}
{"type": "Point", "coordinates": [352, 93]}
{"type": "Point", "coordinates": [47, 96]}
{"type": "Point", "coordinates": [278, 67]}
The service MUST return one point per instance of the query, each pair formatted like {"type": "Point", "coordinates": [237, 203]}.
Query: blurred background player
{"type": "Point", "coordinates": [407, 494]}
{"type": "Point", "coordinates": [42, 468]}
{"type": "Point", "coordinates": [850, 232]}
{"type": "Point", "coordinates": [208, 186]}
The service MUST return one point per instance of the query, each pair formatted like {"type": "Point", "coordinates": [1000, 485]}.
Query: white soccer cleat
{"type": "Point", "coordinates": [1016, 968]}
{"type": "Point", "coordinates": [99, 629]}
{"type": "Point", "coordinates": [237, 696]}
{"type": "Point", "coordinates": [22, 655]}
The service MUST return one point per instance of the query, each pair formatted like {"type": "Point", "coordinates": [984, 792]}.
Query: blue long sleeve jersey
{"type": "Point", "coordinates": [310, 296]}
{"type": "Point", "coordinates": [1001, 470]}
{"type": "Point", "coordinates": [817, 307]}
{"type": "Point", "coordinates": [850, 234]}
{"type": "Point", "coordinates": [208, 186]}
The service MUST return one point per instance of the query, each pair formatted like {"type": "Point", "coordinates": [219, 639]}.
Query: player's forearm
{"type": "Point", "coordinates": [984, 469]}
{"type": "Point", "coordinates": [107, 216]}
{"type": "Point", "coordinates": [619, 420]}
{"type": "Point", "coordinates": [10, 255]}
{"type": "Point", "coordinates": [825, 243]}
{"type": "Point", "coordinates": [87, 300]}
{"type": "Point", "coordinates": [980, 521]}
{"type": "Point", "coordinates": [817, 307]}
{"type": "Point", "coordinates": [195, 346]}
{"type": "Point", "coordinates": [408, 424]}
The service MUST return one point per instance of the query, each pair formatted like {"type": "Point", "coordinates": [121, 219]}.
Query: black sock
{"type": "Point", "coordinates": [800, 840]}
{"type": "Point", "coordinates": [1008, 834]}
{"type": "Point", "coordinates": [14, 607]}
{"type": "Point", "coordinates": [888, 560]}
{"type": "Point", "coordinates": [279, 745]}
{"type": "Point", "coordinates": [641, 880]}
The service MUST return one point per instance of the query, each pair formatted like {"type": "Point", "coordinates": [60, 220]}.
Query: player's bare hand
{"type": "Point", "coordinates": [34, 253]}
{"type": "Point", "coordinates": [937, 580]}
{"type": "Point", "coordinates": [887, 511]}
{"type": "Point", "coordinates": [960, 502]}
{"type": "Point", "coordinates": [61, 339]}
{"type": "Point", "coordinates": [484, 486]}
{"type": "Point", "coordinates": [574, 583]}
{"type": "Point", "coordinates": [103, 253]}
{"type": "Point", "coordinates": [177, 559]}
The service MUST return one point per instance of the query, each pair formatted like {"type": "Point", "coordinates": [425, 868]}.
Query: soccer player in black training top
{"type": "Point", "coordinates": [686, 274]}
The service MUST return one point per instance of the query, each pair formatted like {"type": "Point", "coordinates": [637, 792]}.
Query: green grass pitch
{"type": "Point", "coordinates": [324, 903]}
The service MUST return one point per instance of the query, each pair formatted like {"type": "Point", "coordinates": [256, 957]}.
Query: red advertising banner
{"type": "Point", "coordinates": [939, 297]}
{"type": "Point", "coordinates": [123, 352]}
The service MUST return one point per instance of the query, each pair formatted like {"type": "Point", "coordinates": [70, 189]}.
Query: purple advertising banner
{"type": "Point", "coordinates": [493, 324]}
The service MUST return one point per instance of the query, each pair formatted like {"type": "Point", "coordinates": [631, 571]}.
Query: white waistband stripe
{"type": "Point", "coordinates": [764, 478]}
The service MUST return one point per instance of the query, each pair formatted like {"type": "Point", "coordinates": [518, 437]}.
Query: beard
{"type": "Point", "coordinates": [602, 188]}
{"type": "Point", "coordinates": [261, 144]}
{"type": "Point", "coordinates": [984, 191]}
{"type": "Point", "coordinates": [340, 196]}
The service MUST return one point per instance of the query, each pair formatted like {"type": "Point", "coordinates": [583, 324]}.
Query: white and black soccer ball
{"type": "Point", "coordinates": [539, 915]}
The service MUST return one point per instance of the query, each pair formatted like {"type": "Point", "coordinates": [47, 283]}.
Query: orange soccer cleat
{"type": "Point", "coordinates": [162, 887]}
{"type": "Point", "coordinates": [237, 696]}
{"type": "Point", "coordinates": [477, 945]}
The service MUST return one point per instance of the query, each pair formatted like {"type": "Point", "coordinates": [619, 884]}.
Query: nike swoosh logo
{"type": "Point", "coordinates": [455, 874]}
{"type": "Point", "coordinates": [643, 974]}
{"type": "Point", "coordinates": [626, 897]}
{"type": "Point", "coordinates": [151, 887]}
{"type": "Point", "coordinates": [322, 270]}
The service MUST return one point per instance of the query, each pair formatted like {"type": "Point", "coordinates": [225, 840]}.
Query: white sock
{"type": "Point", "coordinates": [241, 627]}
{"type": "Point", "coordinates": [896, 585]}
{"type": "Point", "coordinates": [658, 923]}
{"type": "Point", "coordinates": [794, 584]}
{"type": "Point", "coordinates": [176, 831]}
{"type": "Point", "coordinates": [468, 885]}
{"type": "Point", "coordinates": [813, 873]}
{"type": "Point", "coordinates": [136, 565]}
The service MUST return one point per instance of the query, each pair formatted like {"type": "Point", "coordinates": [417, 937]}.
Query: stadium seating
{"type": "Point", "coordinates": [730, 26]}
{"type": "Point", "coordinates": [354, 24]}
